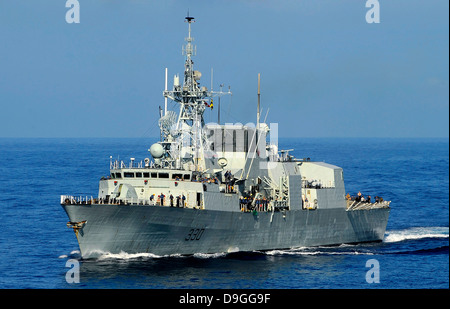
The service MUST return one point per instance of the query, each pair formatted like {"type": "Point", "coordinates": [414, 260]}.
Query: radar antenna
{"type": "Point", "coordinates": [189, 18]}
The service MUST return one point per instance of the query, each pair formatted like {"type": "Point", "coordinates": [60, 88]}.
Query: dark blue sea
{"type": "Point", "coordinates": [35, 243]}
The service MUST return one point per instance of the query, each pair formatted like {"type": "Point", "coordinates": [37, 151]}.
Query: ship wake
{"type": "Point", "coordinates": [416, 233]}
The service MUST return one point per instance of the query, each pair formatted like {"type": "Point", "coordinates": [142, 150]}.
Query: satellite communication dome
{"type": "Point", "coordinates": [222, 162]}
{"type": "Point", "coordinates": [156, 150]}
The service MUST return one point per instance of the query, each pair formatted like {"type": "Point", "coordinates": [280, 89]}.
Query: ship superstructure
{"type": "Point", "coordinates": [218, 188]}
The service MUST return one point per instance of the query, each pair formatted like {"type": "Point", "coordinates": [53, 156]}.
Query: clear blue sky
{"type": "Point", "coordinates": [325, 71]}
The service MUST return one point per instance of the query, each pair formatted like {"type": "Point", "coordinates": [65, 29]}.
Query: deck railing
{"type": "Point", "coordinates": [86, 200]}
{"type": "Point", "coordinates": [358, 205]}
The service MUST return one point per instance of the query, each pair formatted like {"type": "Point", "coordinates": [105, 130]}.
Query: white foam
{"type": "Point", "coordinates": [314, 251]}
{"type": "Point", "coordinates": [73, 254]}
{"type": "Point", "coordinates": [296, 251]}
{"type": "Point", "coordinates": [101, 255]}
{"type": "Point", "coordinates": [209, 255]}
{"type": "Point", "coordinates": [416, 233]}
{"type": "Point", "coordinates": [123, 255]}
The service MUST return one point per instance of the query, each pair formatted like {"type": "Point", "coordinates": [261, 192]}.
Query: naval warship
{"type": "Point", "coordinates": [212, 188]}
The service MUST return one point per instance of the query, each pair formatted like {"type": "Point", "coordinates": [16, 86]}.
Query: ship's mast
{"type": "Point", "coordinates": [193, 101]}
{"type": "Point", "coordinates": [183, 139]}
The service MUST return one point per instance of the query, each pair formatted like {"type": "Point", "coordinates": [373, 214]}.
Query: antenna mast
{"type": "Point", "coordinates": [183, 139]}
{"type": "Point", "coordinates": [165, 98]}
{"type": "Point", "coordinates": [259, 97]}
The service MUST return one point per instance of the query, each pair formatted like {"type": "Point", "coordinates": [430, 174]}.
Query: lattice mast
{"type": "Point", "coordinates": [184, 140]}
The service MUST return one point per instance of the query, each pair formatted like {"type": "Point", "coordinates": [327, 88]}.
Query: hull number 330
{"type": "Point", "coordinates": [194, 234]}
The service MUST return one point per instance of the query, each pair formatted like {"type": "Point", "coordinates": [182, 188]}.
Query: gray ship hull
{"type": "Point", "coordinates": [171, 230]}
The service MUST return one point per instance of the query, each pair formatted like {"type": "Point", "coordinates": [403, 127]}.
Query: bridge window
{"type": "Point", "coordinates": [177, 176]}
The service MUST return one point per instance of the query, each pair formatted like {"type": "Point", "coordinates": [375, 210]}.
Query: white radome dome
{"type": "Point", "coordinates": [156, 150]}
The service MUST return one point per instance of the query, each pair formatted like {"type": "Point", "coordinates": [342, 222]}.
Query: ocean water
{"type": "Point", "coordinates": [35, 243]}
